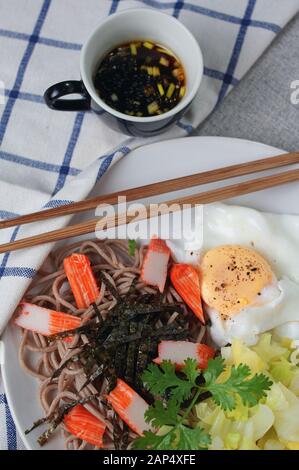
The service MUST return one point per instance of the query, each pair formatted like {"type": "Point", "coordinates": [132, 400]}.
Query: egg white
{"type": "Point", "coordinates": [257, 319]}
{"type": "Point", "coordinates": [274, 236]}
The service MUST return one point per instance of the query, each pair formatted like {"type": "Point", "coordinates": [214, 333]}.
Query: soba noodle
{"type": "Point", "coordinates": [41, 359]}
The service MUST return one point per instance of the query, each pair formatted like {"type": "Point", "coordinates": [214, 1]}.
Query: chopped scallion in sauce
{"type": "Point", "coordinates": [140, 79]}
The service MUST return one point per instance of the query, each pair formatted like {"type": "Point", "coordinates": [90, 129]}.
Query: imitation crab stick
{"type": "Point", "coordinates": [129, 406]}
{"type": "Point", "coordinates": [43, 320]}
{"type": "Point", "coordinates": [84, 425]}
{"type": "Point", "coordinates": [154, 268]}
{"type": "Point", "coordinates": [80, 276]}
{"type": "Point", "coordinates": [178, 351]}
{"type": "Point", "coordinates": [185, 280]}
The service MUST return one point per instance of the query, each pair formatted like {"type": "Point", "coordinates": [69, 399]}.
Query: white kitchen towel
{"type": "Point", "coordinates": [49, 158]}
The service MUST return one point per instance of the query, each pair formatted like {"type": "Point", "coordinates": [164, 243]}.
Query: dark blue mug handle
{"type": "Point", "coordinates": [53, 96]}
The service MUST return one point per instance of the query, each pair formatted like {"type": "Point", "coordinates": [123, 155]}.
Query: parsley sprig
{"type": "Point", "coordinates": [192, 384]}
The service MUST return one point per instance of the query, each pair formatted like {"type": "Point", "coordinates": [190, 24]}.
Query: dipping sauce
{"type": "Point", "coordinates": [140, 79]}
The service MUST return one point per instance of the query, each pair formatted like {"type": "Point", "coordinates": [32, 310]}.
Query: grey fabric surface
{"type": "Point", "coordinates": [259, 108]}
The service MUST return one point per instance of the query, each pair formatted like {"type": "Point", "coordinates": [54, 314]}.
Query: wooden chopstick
{"type": "Point", "coordinates": [213, 195]}
{"type": "Point", "coordinates": [176, 184]}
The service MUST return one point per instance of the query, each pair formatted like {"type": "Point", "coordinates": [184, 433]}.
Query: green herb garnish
{"type": "Point", "coordinates": [192, 384]}
{"type": "Point", "coordinates": [224, 394]}
{"type": "Point", "coordinates": [132, 247]}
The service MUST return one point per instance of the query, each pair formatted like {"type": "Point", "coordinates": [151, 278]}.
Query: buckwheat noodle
{"type": "Point", "coordinates": [40, 359]}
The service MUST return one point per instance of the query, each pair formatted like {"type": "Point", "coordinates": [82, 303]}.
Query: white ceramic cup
{"type": "Point", "coordinates": [123, 27]}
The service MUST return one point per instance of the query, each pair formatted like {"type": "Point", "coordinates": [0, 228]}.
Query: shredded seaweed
{"type": "Point", "coordinates": [92, 377]}
{"type": "Point", "coordinates": [121, 345]}
{"type": "Point", "coordinates": [98, 313]}
{"type": "Point", "coordinates": [120, 433]}
{"type": "Point", "coordinates": [54, 419]}
{"type": "Point", "coordinates": [134, 329]}
{"type": "Point", "coordinates": [115, 344]}
{"type": "Point", "coordinates": [113, 291]}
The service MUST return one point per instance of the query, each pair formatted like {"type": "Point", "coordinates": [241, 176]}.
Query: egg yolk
{"type": "Point", "coordinates": [232, 278]}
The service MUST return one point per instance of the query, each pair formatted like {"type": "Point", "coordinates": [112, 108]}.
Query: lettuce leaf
{"type": "Point", "coordinates": [282, 371]}
{"type": "Point", "coordinates": [269, 349]}
{"type": "Point", "coordinates": [271, 425]}
{"type": "Point", "coordinates": [241, 354]}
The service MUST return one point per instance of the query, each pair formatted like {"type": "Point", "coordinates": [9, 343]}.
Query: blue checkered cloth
{"type": "Point", "coordinates": [49, 158]}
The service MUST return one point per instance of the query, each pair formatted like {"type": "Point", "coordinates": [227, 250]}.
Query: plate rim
{"type": "Point", "coordinates": [5, 336]}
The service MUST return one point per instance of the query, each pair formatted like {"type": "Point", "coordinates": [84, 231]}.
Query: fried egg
{"type": "Point", "coordinates": [233, 277]}
{"type": "Point", "coordinates": [261, 286]}
{"type": "Point", "coordinates": [261, 290]}
{"type": "Point", "coordinates": [249, 265]}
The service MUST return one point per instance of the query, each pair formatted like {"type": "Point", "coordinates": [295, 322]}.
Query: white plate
{"type": "Point", "coordinates": [146, 165]}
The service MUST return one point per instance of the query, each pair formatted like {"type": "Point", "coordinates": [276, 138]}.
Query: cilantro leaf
{"type": "Point", "coordinates": [153, 441]}
{"type": "Point", "coordinates": [239, 373]}
{"type": "Point", "coordinates": [132, 247]}
{"type": "Point", "coordinates": [178, 438]}
{"type": "Point", "coordinates": [192, 439]}
{"type": "Point", "coordinates": [215, 368]}
{"type": "Point", "coordinates": [222, 396]}
{"type": "Point", "coordinates": [159, 415]}
{"type": "Point", "coordinates": [191, 370]}
{"type": "Point", "coordinates": [160, 379]}
{"type": "Point", "coordinates": [174, 417]}
{"type": "Point", "coordinates": [252, 390]}
{"type": "Point", "coordinates": [249, 390]}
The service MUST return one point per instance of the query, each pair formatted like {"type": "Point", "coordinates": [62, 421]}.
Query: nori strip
{"type": "Point", "coordinates": [56, 418]}
{"type": "Point", "coordinates": [98, 313]}
{"type": "Point", "coordinates": [75, 358]}
{"type": "Point", "coordinates": [92, 377]}
{"type": "Point", "coordinates": [165, 332]}
{"type": "Point", "coordinates": [120, 355]}
{"type": "Point", "coordinates": [81, 329]}
{"type": "Point", "coordinates": [113, 291]}
{"type": "Point", "coordinates": [120, 436]}
{"type": "Point", "coordinates": [132, 353]}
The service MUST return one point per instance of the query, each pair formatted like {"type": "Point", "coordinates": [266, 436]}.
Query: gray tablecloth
{"type": "Point", "coordinates": [260, 107]}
